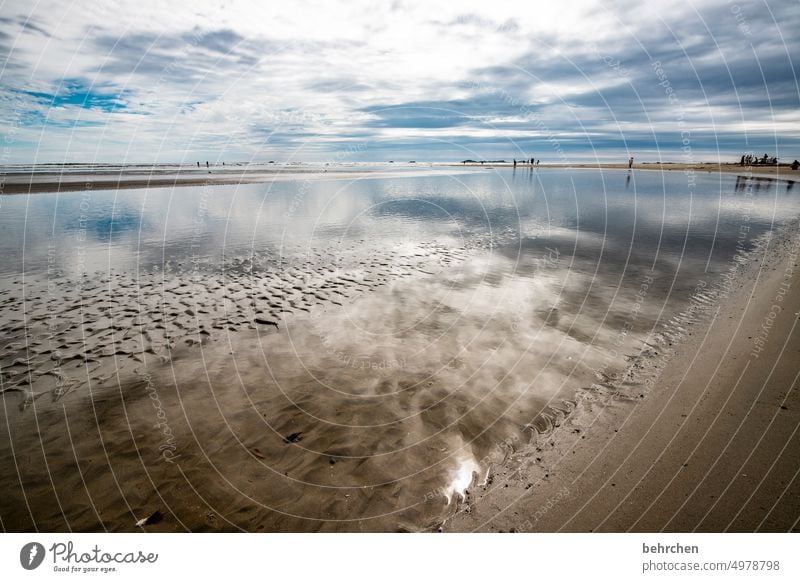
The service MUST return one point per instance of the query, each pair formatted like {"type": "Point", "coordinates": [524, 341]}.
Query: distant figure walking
{"type": "Point", "coordinates": [515, 162]}
{"type": "Point", "coordinates": [206, 164]}
{"type": "Point", "coordinates": [198, 164]}
{"type": "Point", "coordinates": [630, 163]}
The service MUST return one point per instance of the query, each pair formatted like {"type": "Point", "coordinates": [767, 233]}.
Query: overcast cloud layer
{"type": "Point", "coordinates": [373, 81]}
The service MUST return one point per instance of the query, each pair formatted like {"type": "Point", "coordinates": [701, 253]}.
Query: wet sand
{"type": "Point", "coordinates": [711, 447]}
{"type": "Point", "coordinates": [358, 384]}
{"type": "Point", "coordinates": [134, 178]}
{"type": "Point", "coordinates": [242, 399]}
{"type": "Point", "coordinates": [31, 183]}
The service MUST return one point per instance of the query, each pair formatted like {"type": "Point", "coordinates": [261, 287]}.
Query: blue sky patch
{"type": "Point", "coordinates": [76, 93]}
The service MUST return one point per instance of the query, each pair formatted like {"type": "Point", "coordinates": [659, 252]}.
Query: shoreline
{"type": "Point", "coordinates": [34, 183]}
{"type": "Point", "coordinates": [710, 447]}
{"type": "Point", "coordinates": [782, 172]}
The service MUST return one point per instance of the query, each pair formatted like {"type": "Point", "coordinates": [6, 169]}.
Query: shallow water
{"type": "Point", "coordinates": [336, 355]}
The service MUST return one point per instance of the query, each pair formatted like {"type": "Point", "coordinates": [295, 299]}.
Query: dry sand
{"type": "Point", "coordinates": [712, 446]}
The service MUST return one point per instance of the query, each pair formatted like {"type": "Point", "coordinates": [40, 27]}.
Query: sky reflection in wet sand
{"type": "Point", "coordinates": [345, 355]}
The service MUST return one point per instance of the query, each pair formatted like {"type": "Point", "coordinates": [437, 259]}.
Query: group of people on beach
{"type": "Point", "coordinates": [532, 162]}
{"type": "Point", "coordinates": [751, 160]}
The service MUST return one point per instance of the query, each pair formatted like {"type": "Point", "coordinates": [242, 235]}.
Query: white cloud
{"type": "Point", "coordinates": [199, 78]}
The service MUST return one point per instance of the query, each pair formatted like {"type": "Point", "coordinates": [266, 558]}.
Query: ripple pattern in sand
{"type": "Point", "coordinates": [58, 334]}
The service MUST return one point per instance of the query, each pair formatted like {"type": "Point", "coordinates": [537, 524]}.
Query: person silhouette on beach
{"type": "Point", "coordinates": [630, 163]}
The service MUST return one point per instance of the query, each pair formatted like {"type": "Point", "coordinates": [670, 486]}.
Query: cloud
{"type": "Point", "coordinates": [157, 82]}
{"type": "Point", "coordinates": [26, 24]}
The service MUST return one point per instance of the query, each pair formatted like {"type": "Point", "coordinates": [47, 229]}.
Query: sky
{"type": "Point", "coordinates": [362, 81]}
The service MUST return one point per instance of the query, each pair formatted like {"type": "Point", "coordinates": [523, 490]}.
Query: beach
{"type": "Point", "coordinates": [426, 268]}
{"type": "Point", "coordinates": [412, 349]}
{"type": "Point", "coordinates": [709, 447]}
{"type": "Point", "coordinates": [65, 179]}
{"type": "Point", "coordinates": [783, 171]}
